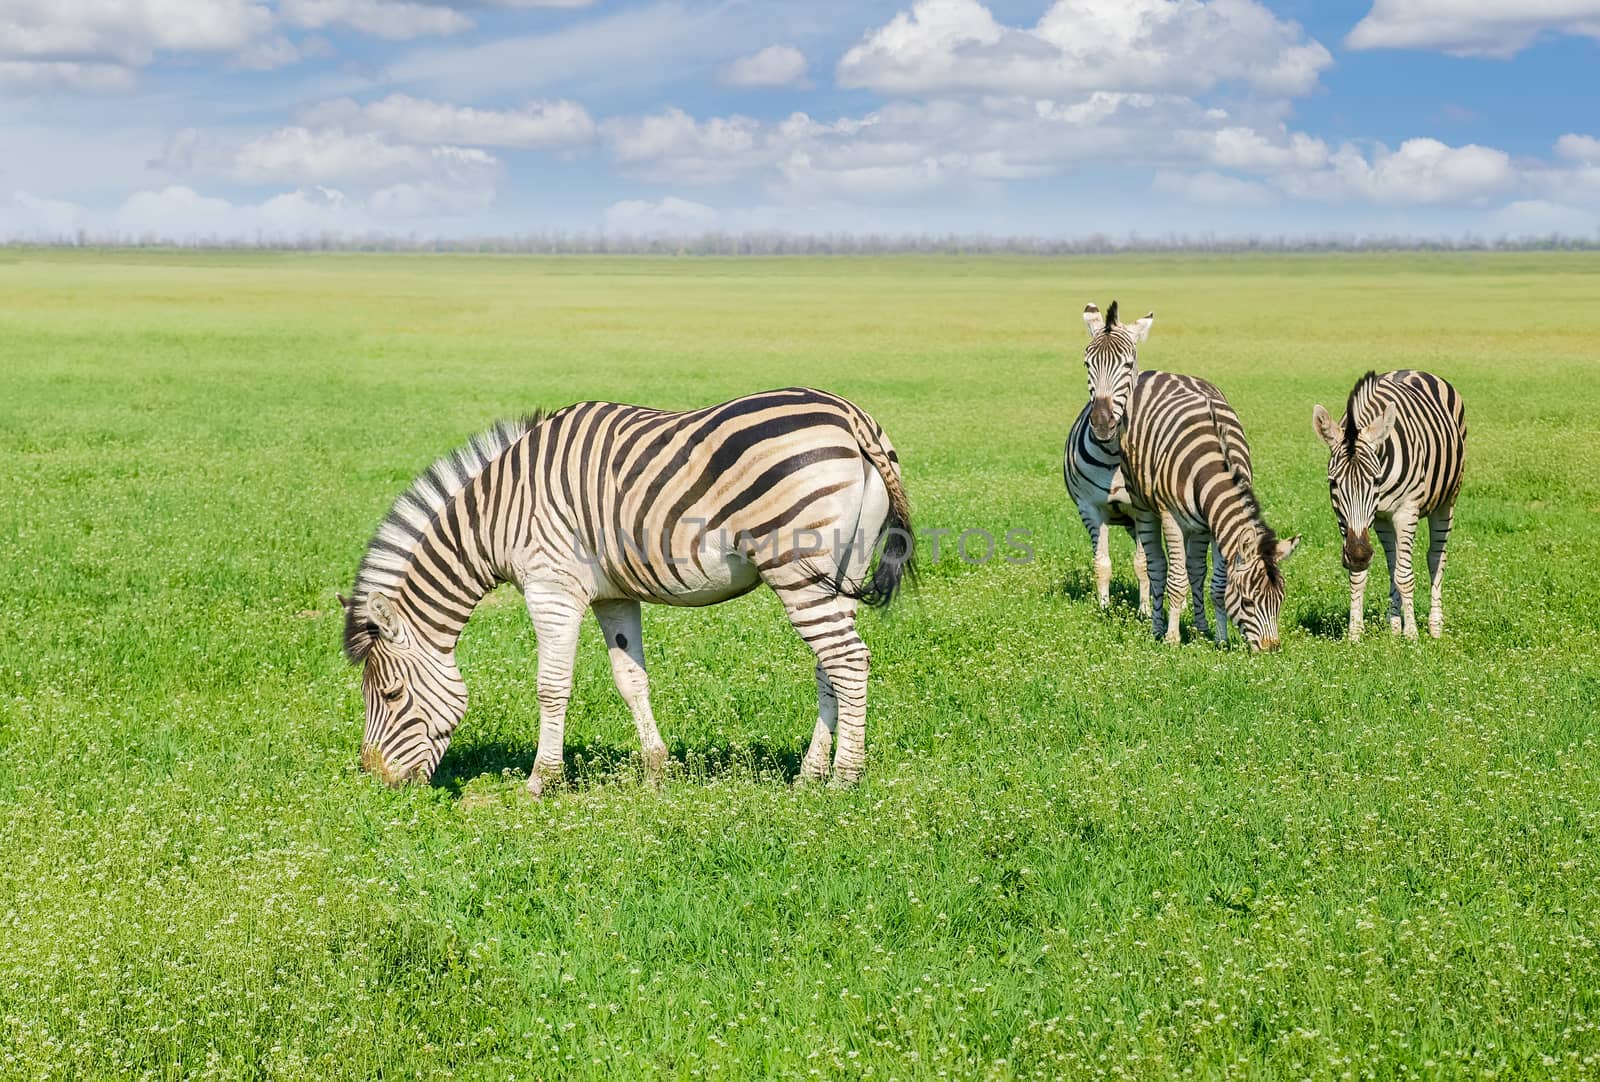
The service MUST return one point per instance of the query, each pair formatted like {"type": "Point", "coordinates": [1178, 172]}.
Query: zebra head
{"type": "Point", "coordinates": [1112, 358]}
{"type": "Point", "coordinates": [1253, 594]}
{"type": "Point", "coordinates": [1354, 463]}
{"type": "Point", "coordinates": [414, 695]}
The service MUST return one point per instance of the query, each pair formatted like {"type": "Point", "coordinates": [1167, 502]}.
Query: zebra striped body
{"type": "Point", "coordinates": [1188, 472]}
{"type": "Point", "coordinates": [1395, 458]}
{"type": "Point", "coordinates": [604, 506]}
{"type": "Point", "coordinates": [1092, 461]}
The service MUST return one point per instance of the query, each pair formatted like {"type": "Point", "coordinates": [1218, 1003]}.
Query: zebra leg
{"type": "Point", "coordinates": [1194, 551]}
{"type": "Point", "coordinates": [623, 630]}
{"type": "Point", "coordinates": [1405, 529]}
{"type": "Point", "coordinates": [1177, 591]}
{"type": "Point", "coordinates": [1439, 524]}
{"type": "Point", "coordinates": [556, 619]}
{"type": "Point", "coordinates": [1141, 571]}
{"type": "Point", "coordinates": [1155, 556]}
{"type": "Point", "coordinates": [1100, 537]}
{"type": "Point", "coordinates": [1358, 595]}
{"type": "Point", "coordinates": [1219, 593]}
{"type": "Point", "coordinates": [827, 623]}
{"type": "Point", "coordinates": [814, 767]}
{"type": "Point", "coordinates": [1384, 528]}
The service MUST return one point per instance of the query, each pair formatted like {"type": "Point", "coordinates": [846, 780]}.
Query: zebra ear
{"type": "Point", "coordinates": [1377, 430]}
{"type": "Point", "coordinates": [381, 611]}
{"type": "Point", "coordinates": [1092, 319]}
{"type": "Point", "coordinates": [1324, 427]}
{"type": "Point", "coordinates": [1140, 328]}
{"type": "Point", "coordinates": [1286, 547]}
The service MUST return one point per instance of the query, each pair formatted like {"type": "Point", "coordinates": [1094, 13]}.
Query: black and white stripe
{"type": "Point", "coordinates": [603, 506]}
{"type": "Point", "coordinates": [1092, 462]}
{"type": "Point", "coordinates": [1187, 467]}
{"type": "Point", "coordinates": [1394, 458]}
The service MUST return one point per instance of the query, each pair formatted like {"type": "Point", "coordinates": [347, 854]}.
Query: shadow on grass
{"type": "Point", "coordinates": [590, 764]}
{"type": "Point", "coordinates": [1326, 621]}
{"type": "Point", "coordinates": [1079, 585]}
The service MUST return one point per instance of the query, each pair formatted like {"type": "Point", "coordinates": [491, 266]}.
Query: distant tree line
{"type": "Point", "coordinates": [843, 244]}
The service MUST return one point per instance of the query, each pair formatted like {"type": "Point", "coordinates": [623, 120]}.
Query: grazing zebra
{"type": "Point", "coordinates": [1188, 471]}
{"type": "Point", "coordinates": [602, 506]}
{"type": "Point", "coordinates": [1394, 458]}
{"type": "Point", "coordinates": [1092, 462]}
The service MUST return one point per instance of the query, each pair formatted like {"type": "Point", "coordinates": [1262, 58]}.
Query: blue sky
{"type": "Point", "coordinates": [275, 118]}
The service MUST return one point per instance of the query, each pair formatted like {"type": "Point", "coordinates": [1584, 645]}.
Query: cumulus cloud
{"type": "Point", "coordinates": [1202, 154]}
{"type": "Point", "coordinates": [181, 213]}
{"type": "Point", "coordinates": [49, 45]}
{"type": "Point", "coordinates": [910, 147]}
{"type": "Point", "coordinates": [668, 217]}
{"type": "Point", "coordinates": [1495, 28]}
{"type": "Point", "coordinates": [958, 46]}
{"type": "Point", "coordinates": [37, 76]}
{"type": "Point", "coordinates": [29, 218]}
{"type": "Point", "coordinates": [538, 124]}
{"type": "Point", "coordinates": [774, 66]}
{"type": "Point", "coordinates": [1213, 188]}
{"type": "Point", "coordinates": [1419, 172]}
{"type": "Point", "coordinates": [299, 155]}
{"type": "Point", "coordinates": [1578, 148]}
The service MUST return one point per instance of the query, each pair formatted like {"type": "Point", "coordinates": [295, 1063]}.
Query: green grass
{"type": "Point", "coordinates": [1077, 853]}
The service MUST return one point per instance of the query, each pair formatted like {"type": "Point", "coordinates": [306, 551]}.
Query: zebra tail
{"type": "Point", "coordinates": [897, 562]}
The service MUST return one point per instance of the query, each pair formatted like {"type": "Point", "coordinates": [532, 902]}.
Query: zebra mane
{"type": "Point", "coordinates": [1111, 318]}
{"type": "Point", "coordinates": [388, 556]}
{"type": "Point", "coordinates": [1268, 547]}
{"type": "Point", "coordinates": [1360, 399]}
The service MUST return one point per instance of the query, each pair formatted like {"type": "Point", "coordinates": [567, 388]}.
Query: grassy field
{"type": "Point", "coordinates": [1078, 853]}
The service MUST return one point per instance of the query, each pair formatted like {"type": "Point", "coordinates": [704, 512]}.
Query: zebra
{"type": "Point", "coordinates": [1187, 467]}
{"type": "Point", "coordinates": [602, 505]}
{"type": "Point", "coordinates": [1395, 457]}
{"type": "Point", "coordinates": [1092, 462]}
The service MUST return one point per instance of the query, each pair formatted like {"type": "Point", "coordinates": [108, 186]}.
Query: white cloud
{"type": "Point", "coordinates": [670, 216]}
{"type": "Point", "coordinates": [297, 155]}
{"type": "Point", "coordinates": [911, 147]}
{"type": "Point", "coordinates": [534, 125]}
{"type": "Point", "coordinates": [673, 147]}
{"type": "Point", "coordinates": [1496, 28]}
{"type": "Point", "coordinates": [1246, 149]}
{"type": "Point", "coordinates": [28, 217]}
{"type": "Point", "coordinates": [953, 46]}
{"type": "Point", "coordinates": [97, 47]}
{"type": "Point", "coordinates": [180, 213]}
{"type": "Point", "coordinates": [397, 20]}
{"type": "Point", "coordinates": [1542, 218]}
{"type": "Point", "coordinates": [1420, 172]}
{"type": "Point", "coordinates": [1578, 148]}
{"type": "Point", "coordinates": [391, 19]}
{"type": "Point", "coordinates": [657, 42]}
{"type": "Point", "coordinates": [35, 76]}
{"type": "Point", "coordinates": [774, 66]}
{"type": "Point", "coordinates": [1214, 189]}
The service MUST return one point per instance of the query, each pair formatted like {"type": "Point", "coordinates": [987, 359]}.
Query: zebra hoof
{"type": "Point", "coordinates": [845, 779]}
{"type": "Point", "coordinates": [810, 775]}
{"type": "Point", "coordinates": [539, 781]}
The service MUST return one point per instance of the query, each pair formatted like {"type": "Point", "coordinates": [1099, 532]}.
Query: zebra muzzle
{"type": "Point", "coordinates": [1357, 554]}
{"type": "Point", "coordinates": [373, 762]}
{"type": "Point", "coordinates": [1100, 419]}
